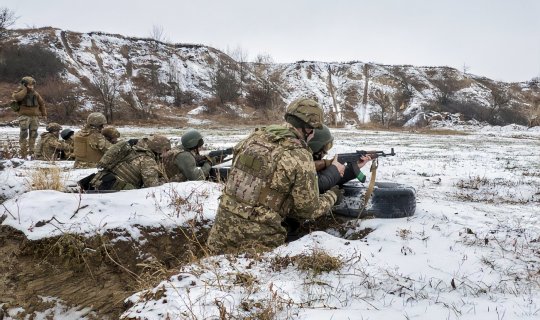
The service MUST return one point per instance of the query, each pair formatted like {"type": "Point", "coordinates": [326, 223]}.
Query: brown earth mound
{"type": "Point", "coordinates": [97, 272]}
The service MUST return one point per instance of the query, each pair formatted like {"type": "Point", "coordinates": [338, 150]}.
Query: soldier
{"type": "Point", "coordinates": [31, 105]}
{"type": "Point", "coordinates": [67, 136]}
{"type": "Point", "coordinates": [272, 177]}
{"type": "Point", "coordinates": [111, 134]}
{"type": "Point", "coordinates": [331, 172]}
{"type": "Point", "coordinates": [48, 146]}
{"type": "Point", "coordinates": [89, 143]}
{"type": "Point", "coordinates": [187, 164]}
{"type": "Point", "coordinates": [125, 167]}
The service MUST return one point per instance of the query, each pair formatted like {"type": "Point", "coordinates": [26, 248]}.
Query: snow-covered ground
{"type": "Point", "coordinates": [471, 251]}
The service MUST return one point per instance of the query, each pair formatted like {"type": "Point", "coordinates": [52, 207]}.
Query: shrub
{"type": "Point", "coordinates": [33, 60]}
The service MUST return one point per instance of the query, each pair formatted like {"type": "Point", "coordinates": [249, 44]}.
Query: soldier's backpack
{"type": "Point", "coordinates": [116, 154]}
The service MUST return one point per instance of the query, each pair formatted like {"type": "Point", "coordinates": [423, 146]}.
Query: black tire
{"type": "Point", "coordinates": [392, 200]}
{"type": "Point", "coordinates": [389, 200]}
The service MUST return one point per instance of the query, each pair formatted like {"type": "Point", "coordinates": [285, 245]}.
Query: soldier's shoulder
{"type": "Point", "coordinates": [146, 160]}
{"type": "Point", "coordinates": [300, 154]}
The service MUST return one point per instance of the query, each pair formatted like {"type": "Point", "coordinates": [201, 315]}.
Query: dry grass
{"type": "Point", "coordinates": [316, 262]}
{"type": "Point", "coordinates": [473, 183]}
{"type": "Point", "coordinates": [8, 149]}
{"type": "Point", "coordinates": [49, 178]}
{"type": "Point", "coordinates": [440, 132]}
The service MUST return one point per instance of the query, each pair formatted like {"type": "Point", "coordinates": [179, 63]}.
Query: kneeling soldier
{"type": "Point", "coordinates": [48, 146]}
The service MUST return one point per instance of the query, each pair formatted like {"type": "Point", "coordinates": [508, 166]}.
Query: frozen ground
{"type": "Point", "coordinates": [471, 251]}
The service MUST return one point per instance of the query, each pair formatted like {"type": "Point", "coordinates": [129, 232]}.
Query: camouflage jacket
{"type": "Point", "coordinates": [49, 147]}
{"type": "Point", "coordinates": [181, 165]}
{"type": "Point", "coordinates": [137, 170]}
{"type": "Point", "coordinates": [273, 176]}
{"type": "Point", "coordinates": [31, 103]}
{"type": "Point", "coordinates": [89, 147]}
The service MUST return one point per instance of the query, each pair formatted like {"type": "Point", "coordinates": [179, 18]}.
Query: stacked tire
{"type": "Point", "coordinates": [388, 201]}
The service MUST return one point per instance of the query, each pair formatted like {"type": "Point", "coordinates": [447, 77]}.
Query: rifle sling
{"type": "Point", "coordinates": [367, 196]}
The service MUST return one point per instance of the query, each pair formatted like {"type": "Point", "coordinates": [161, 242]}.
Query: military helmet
{"type": "Point", "coordinates": [53, 126]}
{"type": "Point", "coordinates": [322, 139]}
{"type": "Point", "coordinates": [110, 133]}
{"type": "Point", "coordinates": [66, 133]}
{"type": "Point", "coordinates": [96, 119]}
{"type": "Point", "coordinates": [159, 143]}
{"type": "Point", "coordinates": [192, 139]}
{"type": "Point", "coordinates": [308, 111]}
{"type": "Point", "coordinates": [28, 80]}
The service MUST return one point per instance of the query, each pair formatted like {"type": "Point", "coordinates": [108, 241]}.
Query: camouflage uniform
{"type": "Point", "coordinates": [273, 176]}
{"type": "Point", "coordinates": [181, 165]}
{"type": "Point", "coordinates": [89, 147]}
{"type": "Point", "coordinates": [138, 169]}
{"type": "Point", "coordinates": [49, 147]}
{"type": "Point", "coordinates": [31, 107]}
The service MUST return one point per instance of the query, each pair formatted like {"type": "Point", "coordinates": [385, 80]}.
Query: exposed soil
{"type": "Point", "coordinates": [97, 272]}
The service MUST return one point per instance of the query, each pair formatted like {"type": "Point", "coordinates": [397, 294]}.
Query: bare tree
{"type": "Point", "coordinates": [447, 87]}
{"type": "Point", "coordinates": [106, 90]}
{"type": "Point", "coordinates": [384, 102]}
{"type": "Point", "coordinates": [499, 99]}
{"type": "Point", "coordinates": [225, 85]}
{"type": "Point", "coordinates": [240, 55]}
{"type": "Point", "coordinates": [7, 20]}
{"type": "Point", "coordinates": [336, 117]}
{"type": "Point", "coordinates": [158, 36]}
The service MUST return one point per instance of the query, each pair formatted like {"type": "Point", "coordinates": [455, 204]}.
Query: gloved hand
{"type": "Point", "coordinates": [339, 194]}
{"type": "Point", "coordinates": [201, 160]}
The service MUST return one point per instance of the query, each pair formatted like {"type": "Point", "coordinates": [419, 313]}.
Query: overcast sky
{"type": "Point", "coordinates": [494, 38]}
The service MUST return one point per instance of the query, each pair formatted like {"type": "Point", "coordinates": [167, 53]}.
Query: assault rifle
{"type": "Point", "coordinates": [215, 157]}
{"type": "Point", "coordinates": [219, 155]}
{"type": "Point", "coordinates": [355, 156]}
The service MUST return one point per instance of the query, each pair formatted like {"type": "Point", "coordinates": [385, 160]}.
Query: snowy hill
{"type": "Point", "coordinates": [351, 92]}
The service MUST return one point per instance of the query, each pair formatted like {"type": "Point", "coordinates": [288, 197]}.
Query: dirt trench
{"type": "Point", "coordinates": [97, 272]}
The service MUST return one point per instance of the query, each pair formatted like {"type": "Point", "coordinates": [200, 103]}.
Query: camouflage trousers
{"type": "Point", "coordinates": [28, 127]}
{"type": "Point", "coordinates": [232, 232]}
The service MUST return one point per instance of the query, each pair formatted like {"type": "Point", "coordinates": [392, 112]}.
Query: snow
{"type": "Point", "coordinates": [47, 213]}
{"type": "Point", "coordinates": [197, 111]}
{"type": "Point", "coordinates": [471, 251]}
{"type": "Point", "coordinates": [59, 311]}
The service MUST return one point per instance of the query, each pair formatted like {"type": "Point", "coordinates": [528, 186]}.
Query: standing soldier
{"type": "Point", "coordinates": [31, 106]}
{"type": "Point", "coordinates": [125, 167]}
{"type": "Point", "coordinates": [67, 136]}
{"type": "Point", "coordinates": [111, 134]}
{"type": "Point", "coordinates": [49, 147]}
{"type": "Point", "coordinates": [89, 143]}
{"type": "Point", "coordinates": [187, 164]}
{"type": "Point", "coordinates": [272, 177]}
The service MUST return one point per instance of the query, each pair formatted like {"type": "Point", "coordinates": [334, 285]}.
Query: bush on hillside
{"type": "Point", "coordinates": [28, 60]}
{"type": "Point", "coordinates": [61, 100]}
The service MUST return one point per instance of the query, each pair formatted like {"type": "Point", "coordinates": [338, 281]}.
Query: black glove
{"type": "Point", "coordinates": [133, 142]}
{"type": "Point", "coordinates": [201, 160]}
{"type": "Point", "coordinates": [339, 194]}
